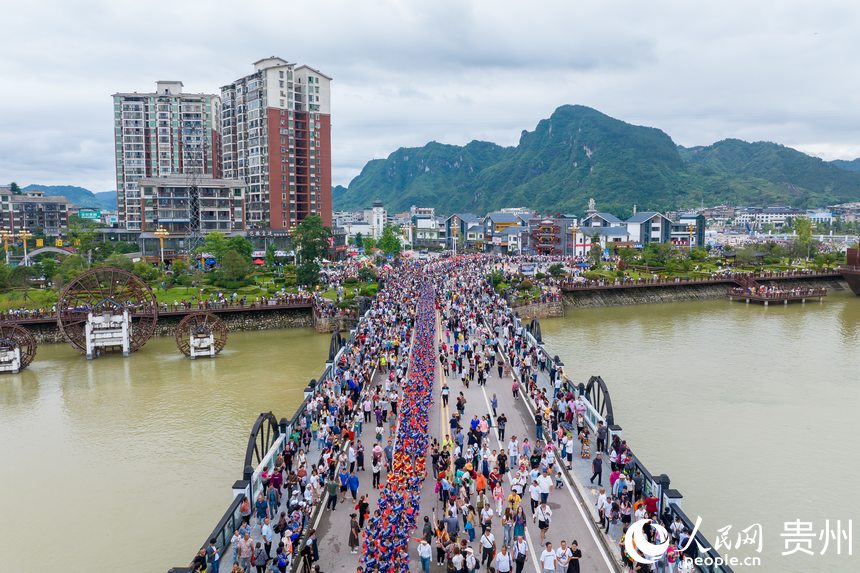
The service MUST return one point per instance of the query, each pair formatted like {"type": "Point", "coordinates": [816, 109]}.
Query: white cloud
{"type": "Point", "coordinates": [407, 72]}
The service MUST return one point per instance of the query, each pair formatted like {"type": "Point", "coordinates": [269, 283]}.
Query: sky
{"type": "Point", "coordinates": [411, 71]}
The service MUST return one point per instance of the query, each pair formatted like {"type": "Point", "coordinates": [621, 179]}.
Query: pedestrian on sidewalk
{"type": "Point", "coordinates": [597, 469]}
{"type": "Point", "coordinates": [520, 552]}
{"type": "Point", "coordinates": [425, 552]}
{"type": "Point", "coordinates": [548, 559]}
{"type": "Point", "coordinates": [354, 532]}
{"type": "Point", "coordinates": [575, 556]}
{"type": "Point", "coordinates": [501, 422]}
{"type": "Point", "coordinates": [543, 516]}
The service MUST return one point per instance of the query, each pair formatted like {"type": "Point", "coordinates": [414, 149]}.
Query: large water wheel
{"type": "Point", "coordinates": [200, 324]}
{"type": "Point", "coordinates": [107, 289]}
{"type": "Point", "coordinates": [14, 336]}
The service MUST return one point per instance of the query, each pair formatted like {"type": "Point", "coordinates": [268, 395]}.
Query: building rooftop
{"type": "Point", "coordinates": [642, 217]}
{"type": "Point", "coordinates": [499, 217]}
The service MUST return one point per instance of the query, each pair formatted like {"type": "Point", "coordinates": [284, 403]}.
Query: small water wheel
{"type": "Point", "coordinates": [14, 336]}
{"type": "Point", "coordinates": [200, 325]}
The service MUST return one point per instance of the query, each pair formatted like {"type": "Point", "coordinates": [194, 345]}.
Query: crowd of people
{"type": "Point", "coordinates": [488, 495]}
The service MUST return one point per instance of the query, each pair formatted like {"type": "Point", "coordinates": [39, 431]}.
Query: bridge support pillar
{"type": "Point", "coordinates": [242, 487]}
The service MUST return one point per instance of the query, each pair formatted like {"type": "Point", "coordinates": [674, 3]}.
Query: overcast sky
{"type": "Point", "coordinates": [407, 71]}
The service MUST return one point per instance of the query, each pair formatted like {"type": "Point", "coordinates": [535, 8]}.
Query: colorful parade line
{"type": "Point", "coordinates": [388, 532]}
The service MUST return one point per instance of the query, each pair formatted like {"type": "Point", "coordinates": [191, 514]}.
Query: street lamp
{"type": "Point", "coordinates": [690, 228]}
{"type": "Point", "coordinates": [162, 234]}
{"type": "Point", "coordinates": [573, 231]}
{"type": "Point", "coordinates": [6, 235]}
{"type": "Point", "coordinates": [24, 235]}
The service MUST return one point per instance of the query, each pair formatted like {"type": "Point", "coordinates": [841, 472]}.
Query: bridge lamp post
{"type": "Point", "coordinates": [162, 234]}
{"type": "Point", "coordinates": [6, 235]}
{"type": "Point", "coordinates": [24, 235]}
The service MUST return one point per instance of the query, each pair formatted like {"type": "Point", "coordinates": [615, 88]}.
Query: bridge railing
{"type": "Point", "coordinates": [652, 486]}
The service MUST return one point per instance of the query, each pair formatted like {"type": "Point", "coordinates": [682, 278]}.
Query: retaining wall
{"type": "Point", "coordinates": [680, 293]}
{"type": "Point", "coordinates": [236, 322]}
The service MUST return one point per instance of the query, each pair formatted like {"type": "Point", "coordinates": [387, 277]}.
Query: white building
{"type": "Point", "coordinates": [377, 217]}
{"type": "Point", "coordinates": [162, 133]}
{"type": "Point", "coordinates": [606, 235]}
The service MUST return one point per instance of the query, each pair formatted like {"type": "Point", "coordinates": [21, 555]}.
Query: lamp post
{"type": "Point", "coordinates": [573, 231]}
{"type": "Point", "coordinates": [690, 228]}
{"type": "Point", "coordinates": [162, 234]}
{"type": "Point", "coordinates": [6, 234]}
{"type": "Point", "coordinates": [24, 235]}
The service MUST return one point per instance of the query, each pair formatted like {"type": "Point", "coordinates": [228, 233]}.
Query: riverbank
{"type": "Point", "coordinates": [244, 321]}
{"type": "Point", "coordinates": [679, 293]}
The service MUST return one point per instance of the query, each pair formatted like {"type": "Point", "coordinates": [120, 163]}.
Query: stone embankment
{"type": "Point", "coordinates": [553, 309]}
{"type": "Point", "coordinates": [236, 322]}
{"type": "Point", "coordinates": [680, 293]}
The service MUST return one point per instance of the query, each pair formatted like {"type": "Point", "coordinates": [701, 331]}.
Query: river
{"type": "Point", "coordinates": [751, 411]}
{"type": "Point", "coordinates": [126, 464]}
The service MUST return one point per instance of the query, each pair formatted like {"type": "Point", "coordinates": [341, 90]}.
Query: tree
{"type": "Point", "coordinates": [119, 261]}
{"type": "Point", "coordinates": [308, 273]}
{"type": "Point", "coordinates": [13, 187]}
{"type": "Point", "coordinates": [595, 253]}
{"type": "Point", "coordinates": [240, 245]}
{"type": "Point", "coordinates": [803, 228]}
{"type": "Point", "coordinates": [234, 267]}
{"type": "Point", "coordinates": [215, 244]}
{"type": "Point", "coordinates": [369, 244]}
{"type": "Point", "coordinates": [357, 240]}
{"type": "Point", "coordinates": [146, 271]}
{"type": "Point", "coordinates": [270, 256]}
{"type": "Point", "coordinates": [556, 270]}
{"type": "Point", "coordinates": [72, 266]}
{"type": "Point", "coordinates": [389, 242]}
{"type": "Point", "coordinates": [311, 239]}
{"type": "Point", "coordinates": [82, 234]}
{"type": "Point", "coordinates": [367, 274]}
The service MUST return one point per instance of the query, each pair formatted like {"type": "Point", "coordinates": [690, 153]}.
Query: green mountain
{"type": "Point", "coordinates": [107, 199]}
{"type": "Point", "coordinates": [853, 165]}
{"type": "Point", "coordinates": [578, 153]}
{"type": "Point", "coordinates": [77, 195]}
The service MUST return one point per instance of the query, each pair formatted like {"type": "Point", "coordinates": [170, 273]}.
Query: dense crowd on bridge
{"type": "Point", "coordinates": [385, 382]}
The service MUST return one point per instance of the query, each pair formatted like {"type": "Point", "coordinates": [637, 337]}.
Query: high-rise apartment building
{"type": "Point", "coordinates": [276, 136]}
{"type": "Point", "coordinates": [160, 134]}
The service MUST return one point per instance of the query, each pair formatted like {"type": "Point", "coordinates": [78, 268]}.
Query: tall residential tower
{"type": "Point", "coordinates": [276, 135]}
{"type": "Point", "coordinates": [160, 134]}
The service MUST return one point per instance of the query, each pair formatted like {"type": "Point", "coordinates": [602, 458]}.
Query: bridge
{"type": "Point", "coordinates": [57, 250]}
{"type": "Point", "coordinates": [740, 279]}
{"type": "Point", "coordinates": [572, 503]}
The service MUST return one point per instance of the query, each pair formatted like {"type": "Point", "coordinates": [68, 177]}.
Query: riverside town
{"type": "Point", "coordinates": [429, 287]}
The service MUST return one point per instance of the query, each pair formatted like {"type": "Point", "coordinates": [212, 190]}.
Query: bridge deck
{"type": "Point", "coordinates": [570, 516]}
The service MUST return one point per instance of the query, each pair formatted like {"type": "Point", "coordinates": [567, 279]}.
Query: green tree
{"type": "Point", "coordinates": [270, 256]}
{"type": "Point", "coordinates": [358, 240]}
{"type": "Point", "coordinates": [311, 239]}
{"type": "Point", "coordinates": [146, 271]}
{"type": "Point", "coordinates": [14, 188]}
{"type": "Point", "coordinates": [119, 261]}
{"type": "Point", "coordinates": [308, 273]}
{"type": "Point", "coordinates": [367, 274]}
{"type": "Point", "coordinates": [389, 242]}
{"type": "Point", "coordinates": [179, 267]}
{"type": "Point", "coordinates": [72, 266]}
{"type": "Point", "coordinates": [556, 270]}
{"type": "Point", "coordinates": [82, 234]}
{"type": "Point", "coordinates": [215, 244]}
{"type": "Point", "coordinates": [5, 274]}
{"type": "Point", "coordinates": [234, 267]}
{"type": "Point", "coordinates": [803, 228]}
{"type": "Point", "coordinates": [369, 244]}
{"type": "Point", "coordinates": [240, 245]}
{"type": "Point", "coordinates": [595, 253]}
